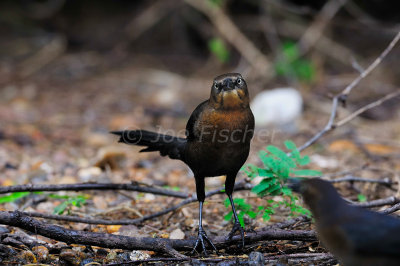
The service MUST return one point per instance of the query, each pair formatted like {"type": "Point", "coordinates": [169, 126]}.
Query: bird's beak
{"type": "Point", "coordinates": [228, 85]}
{"type": "Point", "coordinates": [294, 184]}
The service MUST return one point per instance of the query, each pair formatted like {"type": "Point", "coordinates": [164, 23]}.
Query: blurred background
{"type": "Point", "coordinates": [72, 70]}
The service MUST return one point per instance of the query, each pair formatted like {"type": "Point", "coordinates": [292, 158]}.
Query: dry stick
{"type": "Point", "coordinates": [93, 186]}
{"type": "Point", "coordinates": [351, 178]}
{"type": "Point", "coordinates": [300, 258]}
{"type": "Point", "coordinates": [367, 107]}
{"type": "Point", "coordinates": [305, 257]}
{"type": "Point", "coordinates": [314, 32]}
{"type": "Point", "coordinates": [238, 187]}
{"type": "Point", "coordinates": [377, 203]}
{"type": "Point", "coordinates": [105, 240]}
{"type": "Point", "coordinates": [392, 209]}
{"type": "Point", "coordinates": [228, 30]}
{"type": "Point", "coordinates": [344, 94]}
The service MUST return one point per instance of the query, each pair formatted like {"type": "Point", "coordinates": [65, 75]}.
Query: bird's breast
{"type": "Point", "coordinates": [225, 126]}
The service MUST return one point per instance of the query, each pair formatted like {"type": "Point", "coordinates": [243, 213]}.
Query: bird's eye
{"type": "Point", "coordinates": [239, 81]}
{"type": "Point", "coordinates": [216, 85]}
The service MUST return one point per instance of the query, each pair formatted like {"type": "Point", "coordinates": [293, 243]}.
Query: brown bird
{"type": "Point", "coordinates": [217, 142]}
{"type": "Point", "coordinates": [354, 235]}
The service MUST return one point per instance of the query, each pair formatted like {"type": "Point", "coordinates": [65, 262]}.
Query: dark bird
{"type": "Point", "coordinates": [217, 142]}
{"type": "Point", "coordinates": [356, 236]}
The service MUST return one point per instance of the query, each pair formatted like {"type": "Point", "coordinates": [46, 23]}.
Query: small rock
{"type": "Point", "coordinates": [256, 259]}
{"type": "Point", "coordinates": [277, 107]}
{"type": "Point", "coordinates": [138, 255]}
{"type": "Point", "coordinates": [177, 234]}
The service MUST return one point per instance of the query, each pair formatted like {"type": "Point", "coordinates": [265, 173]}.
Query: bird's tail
{"type": "Point", "coordinates": [167, 145]}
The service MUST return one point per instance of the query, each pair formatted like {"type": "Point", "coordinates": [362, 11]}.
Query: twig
{"type": "Point", "coordinates": [350, 178]}
{"type": "Point", "coordinates": [344, 94]}
{"type": "Point", "coordinates": [69, 236]}
{"type": "Point", "coordinates": [314, 32]}
{"type": "Point", "coordinates": [392, 209]}
{"type": "Point", "coordinates": [238, 187]}
{"type": "Point", "coordinates": [371, 67]}
{"type": "Point", "coordinates": [377, 203]}
{"type": "Point", "coordinates": [367, 107]}
{"type": "Point", "coordinates": [299, 258]}
{"type": "Point", "coordinates": [228, 30]}
{"type": "Point", "coordinates": [93, 186]}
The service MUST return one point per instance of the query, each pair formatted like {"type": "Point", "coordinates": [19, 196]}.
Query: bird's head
{"type": "Point", "coordinates": [318, 194]}
{"type": "Point", "coordinates": [229, 91]}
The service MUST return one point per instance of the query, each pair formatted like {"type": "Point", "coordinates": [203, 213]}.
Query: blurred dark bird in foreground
{"type": "Point", "coordinates": [217, 142]}
{"type": "Point", "coordinates": [354, 235]}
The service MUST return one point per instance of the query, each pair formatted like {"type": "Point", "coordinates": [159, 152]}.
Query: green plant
{"type": "Point", "coordinates": [242, 209]}
{"type": "Point", "coordinates": [68, 202]}
{"type": "Point", "coordinates": [361, 198]}
{"type": "Point", "coordinates": [219, 49]}
{"type": "Point", "coordinates": [13, 197]}
{"type": "Point", "coordinates": [278, 167]}
{"type": "Point", "coordinates": [291, 63]}
{"type": "Point", "coordinates": [16, 196]}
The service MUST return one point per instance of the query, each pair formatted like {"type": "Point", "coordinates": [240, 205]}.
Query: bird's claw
{"type": "Point", "coordinates": [236, 227]}
{"type": "Point", "coordinates": [201, 239]}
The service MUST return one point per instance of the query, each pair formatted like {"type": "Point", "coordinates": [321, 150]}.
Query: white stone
{"type": "Point", "coordinates": [281, 106]}
{"type": "Point", "coordinates": [177, 234]}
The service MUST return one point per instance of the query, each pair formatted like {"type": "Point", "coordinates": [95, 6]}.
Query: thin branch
{"type": "Point", "coordinates": [344, 94]}
{"type": "Point", "coordinates": [371, 67]}
{"type": "Point", "coordinates": [350, 178]}
{"type": "Point", "coordinates": [392, 209]}
{"type": "Point", "coordinates": [315, 31]}
{"type": "Point", "coordinates": [93, 186]}
{"type": "Point", "coordinates": [377, 203]}
{"type": "Point", "coordinates": [75, 219]}
{"type": "Point", "coordinates": [367, 107]}
{"type": "Point", "coordinates": [228, 30]}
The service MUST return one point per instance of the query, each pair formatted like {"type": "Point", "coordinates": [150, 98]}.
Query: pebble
{"type": "Point", "coordinates": [89, 174]}
{"type": "Point", "coordinates": [281, 106]}
{"type": "Point", "coordinates": [138, 255]}
{"type": "Point", "coordinates": [177, 234]}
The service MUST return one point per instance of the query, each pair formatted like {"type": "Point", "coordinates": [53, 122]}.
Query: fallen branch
{"type": "Point", "coordinates": [75, 219]}
{"type": "Point", "coordinates": [350, 178]}
{"type": "Point", "coordinates": [93, 186]}
{"type": "Point", "coordinates": [299, 258]}
{"type": "Point", "coordinates": [168, 246]}
{"type": "Point", "coordinates": [377, 203]}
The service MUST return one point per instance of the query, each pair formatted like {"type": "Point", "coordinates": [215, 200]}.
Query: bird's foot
{"type": "Point", "coordinates": [202, 238]}
{"type": "Point", "coordinates": [237, 227]}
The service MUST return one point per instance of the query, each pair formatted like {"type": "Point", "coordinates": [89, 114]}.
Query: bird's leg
{"type": "Point", "coordinates": [202, 236]}
{"type": "Point", "coordinates": [229, 184]}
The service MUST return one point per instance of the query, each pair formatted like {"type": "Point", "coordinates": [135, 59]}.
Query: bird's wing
{"type": "Point", "coordinates": [190, 131]}
{"type": "Point", "coordinates": [374, 234]}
